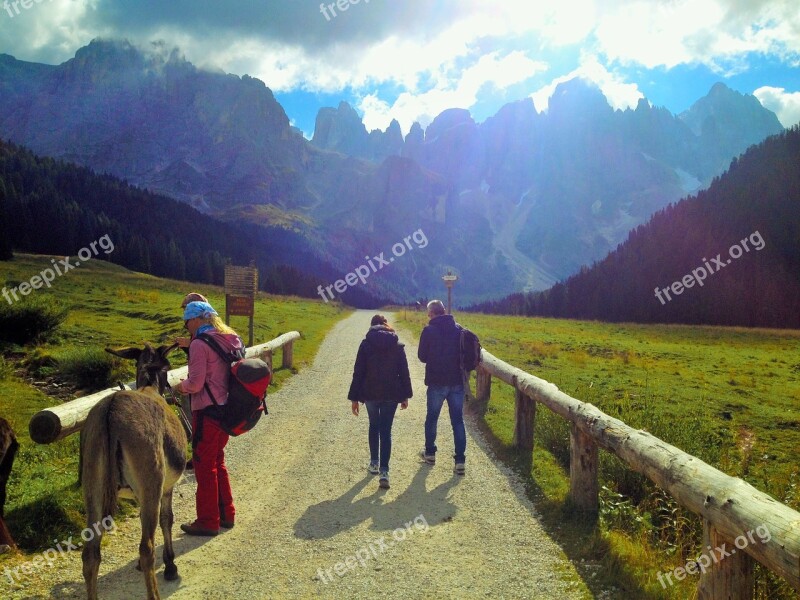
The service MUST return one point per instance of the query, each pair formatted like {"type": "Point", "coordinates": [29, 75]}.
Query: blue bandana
{"type": "Point", "coordinates": [203, 329]}
{"type": "Point", "coordinates": [198, 309]}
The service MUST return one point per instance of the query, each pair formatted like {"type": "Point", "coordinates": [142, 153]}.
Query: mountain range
{"type": "Point", "coordinates": [517, 202]}
{"type": "Point", "coordinates": [728, 256]}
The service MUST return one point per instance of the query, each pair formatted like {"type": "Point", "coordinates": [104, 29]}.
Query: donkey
{"type": "Point", "coordinates": [132, 442]}
{"type": "Point", "coordinates": [8, 451]}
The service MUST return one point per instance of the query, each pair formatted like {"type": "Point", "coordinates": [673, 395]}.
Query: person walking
{"type": "Point", "coordinates": [440, 350]}
{"type": "Point", "coordinates": [381, 381]}
{"type": "Point", "coordinates": [207, 379]}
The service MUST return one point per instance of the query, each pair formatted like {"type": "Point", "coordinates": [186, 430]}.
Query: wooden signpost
{"type": "Point", "coordinates": [449, 281]}
{"type": "Point", "coordinates": [241, 284]}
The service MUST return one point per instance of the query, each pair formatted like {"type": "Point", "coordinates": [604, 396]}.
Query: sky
{"type": "Point", "coordinates": [411, 59]}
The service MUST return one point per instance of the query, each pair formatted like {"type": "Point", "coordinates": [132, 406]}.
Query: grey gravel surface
{"type": "Point", "coordinates": [312, 523]}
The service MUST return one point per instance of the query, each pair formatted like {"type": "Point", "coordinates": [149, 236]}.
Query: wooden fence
{"type": "Point", "coordinates": [728, 506]}
{"type": "Point", "coordinates": [57, 422]}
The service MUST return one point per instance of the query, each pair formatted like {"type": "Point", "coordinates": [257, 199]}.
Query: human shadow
{"type": "Point", "coordinates": [331, 517]}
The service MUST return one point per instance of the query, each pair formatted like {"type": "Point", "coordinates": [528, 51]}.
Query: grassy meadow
{"type": "Point", "coordinates": [107, 306]}
{"type": "Point", "coordinates": [727, 395]}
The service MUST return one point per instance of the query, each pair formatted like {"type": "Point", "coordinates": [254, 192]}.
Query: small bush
{"type": "Point", "coordinates": [30, 320]}
{"type": "Point", "coordinates": [90, 369]}
{"type": "Point", "coordinates": [6, 369]}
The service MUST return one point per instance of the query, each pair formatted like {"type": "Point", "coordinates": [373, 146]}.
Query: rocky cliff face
{"type": "Point", "coordinates": [520, 200]}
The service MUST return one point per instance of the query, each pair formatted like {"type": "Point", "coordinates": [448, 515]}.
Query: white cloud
{"type": "Point", "coordinates": [717, 33]}
{"type": "Point", "coordinates": [619, 94]}
{"type": "Point", "coordinates": [454, 88]}
{"type": "Point", "coordinates": [784, 104]}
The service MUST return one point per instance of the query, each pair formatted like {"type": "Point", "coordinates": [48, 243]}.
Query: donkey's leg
{"type": "Point", "coordinates": [149, 515]}
{"type": "Point", "coordinates": [167, 519]}
{"type": "Point", "coordinates": [91, 549]}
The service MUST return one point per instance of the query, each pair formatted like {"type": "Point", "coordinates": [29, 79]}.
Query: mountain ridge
{"type": "Point", "coordinates": [726, 256]}
{"type": "Point", "coordinates": [580, 177]}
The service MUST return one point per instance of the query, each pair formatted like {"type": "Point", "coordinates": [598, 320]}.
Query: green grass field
{"type": "Point", "coordinates": [109, 306]}
{"type": "Point", "coordinates": [727, 395]}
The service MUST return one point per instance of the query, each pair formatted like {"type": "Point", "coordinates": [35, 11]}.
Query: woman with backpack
{"type": "Point", "coordinates": [381, 381]}
{"type": "Point", "coordinates": [207, 384]}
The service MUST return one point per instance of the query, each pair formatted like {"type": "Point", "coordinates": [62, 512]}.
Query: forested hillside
{"type": "Point", "coordinates": [743, 232]}
{"type": "Point", "coordinates": [51, 207]}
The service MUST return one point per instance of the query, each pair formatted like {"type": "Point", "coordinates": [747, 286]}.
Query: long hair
{"type": "Point", "coordinates": [217, 323]}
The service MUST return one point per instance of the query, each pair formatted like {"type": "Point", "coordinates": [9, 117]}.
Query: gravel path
{"type": "Point", "coordinates": [305, 504]}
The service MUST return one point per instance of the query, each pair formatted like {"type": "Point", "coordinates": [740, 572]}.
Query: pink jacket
{"type": "Point", "coordinates": [205, 365]}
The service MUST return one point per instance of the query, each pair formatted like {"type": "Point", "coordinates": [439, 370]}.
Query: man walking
{"type": "Point", "coordinates": [440, 350]}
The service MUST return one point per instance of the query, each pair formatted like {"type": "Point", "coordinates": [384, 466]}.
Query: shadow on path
{"type": "Point", "coordinates": [332, 517]}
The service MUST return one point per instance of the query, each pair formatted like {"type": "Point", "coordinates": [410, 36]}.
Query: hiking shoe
{"type": "Point", "coordinates": [373, 468]}
{"type": "Point", "coordinates": [195, 529]}
{"type": "Point", "coordinates": [383, 482]}
{"type": "Point", "coordinates": [429, 459]}
{"type": "Point", "coordinates": [460, 469]}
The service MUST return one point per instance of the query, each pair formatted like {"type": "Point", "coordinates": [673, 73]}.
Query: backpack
{"type": "Point", "coordinates": [247, 391]}
{"type": "Point", "coordinates": [470, 350]}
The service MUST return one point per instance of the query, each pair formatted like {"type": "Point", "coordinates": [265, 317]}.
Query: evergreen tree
{"type": "Point", "coordinates": [5, 230]}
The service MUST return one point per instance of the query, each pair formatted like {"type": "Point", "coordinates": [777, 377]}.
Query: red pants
{"type": "Point", "coordinates": [214, 497]}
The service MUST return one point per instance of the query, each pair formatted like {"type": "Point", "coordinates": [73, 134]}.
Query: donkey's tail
{"type": "Point", "coordinates": [99, 460]}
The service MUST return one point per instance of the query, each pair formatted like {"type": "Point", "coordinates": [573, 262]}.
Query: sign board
{"type": "Point", "coordinates": [239, 306]}
{"type": "Point", "coordinates": [241, 281]}
{"type": "Point", "coordinates": [241, 285]}
{"type": "Point", "coordinates": [449, 280]}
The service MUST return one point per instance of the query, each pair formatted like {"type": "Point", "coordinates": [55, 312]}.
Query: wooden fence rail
{"type": "Point", "coordinates": [57, 422]}
{"type": "Point", "coordinates": [730, 507]}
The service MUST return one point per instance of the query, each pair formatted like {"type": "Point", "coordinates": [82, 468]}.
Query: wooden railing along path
{"type": "Point", "coordinates": [57, 422]}
{"type": "Point", "coordinates": [729, 506]}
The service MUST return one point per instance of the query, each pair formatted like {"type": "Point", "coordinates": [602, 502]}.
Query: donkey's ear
{"type": "Point", "coordinates": [164, 350]}
{"type": "Point", "coordinates": [129, 353]}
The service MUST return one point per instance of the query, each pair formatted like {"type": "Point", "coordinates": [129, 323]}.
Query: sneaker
{"type": "Point", "coordinates": [460, 469]}
{"type": "Point", "coordinates": [429, 459]}
{"type": "Point", "coordinates": [195, 529]}
{"type": "Point", "coordinates": [383, 482]}
{"type": "Point", "coordinates": [226, 524]}
{"type": "Point", "coordinates": [373, 468]}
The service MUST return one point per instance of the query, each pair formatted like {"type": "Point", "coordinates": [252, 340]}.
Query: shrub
{"type": "Point", "coordinates": [6, 369]}
{"type": "Point", "coordinates": [30, 320]}
{"type": "Point", "coordinates": [90, 369]}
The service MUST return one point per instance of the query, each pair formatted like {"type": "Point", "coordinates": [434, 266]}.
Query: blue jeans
{"type": "Point", "coordinates": [381, 417]}
{"type": "Point", "coordinates": [454, 395]}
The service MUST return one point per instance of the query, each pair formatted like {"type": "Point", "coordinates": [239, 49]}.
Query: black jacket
{"type": "Point", "coordinates": [381, 370]}
{"type": "Point", "coordinates": [440, 350]}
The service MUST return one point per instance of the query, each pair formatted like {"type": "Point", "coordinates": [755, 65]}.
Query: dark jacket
{"type": "Point", "coordinates": [381, 370]}
{"type": "Point", "coordinates": [440, 350]}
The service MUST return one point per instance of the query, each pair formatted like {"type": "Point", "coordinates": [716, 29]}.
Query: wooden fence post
{"type": "Point", "coordinates": [524, 421]}
{"type": "Point", "coordinates": [483, 385]}
{"type": "Point", "coordinates": [728, 577]}
{"type": "Point", "coordinates": [266, 356]}
{"type": "Point", "coordinates": [583, 483]}
{"type": "Point", "coordinates": [288, 355]}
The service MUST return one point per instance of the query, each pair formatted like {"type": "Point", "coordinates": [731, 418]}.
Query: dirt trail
{"type": "Point", "coordinates": [306, 503]}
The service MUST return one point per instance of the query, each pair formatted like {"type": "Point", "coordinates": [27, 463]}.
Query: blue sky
{"type": "Point", "coordinates": [411, 59]}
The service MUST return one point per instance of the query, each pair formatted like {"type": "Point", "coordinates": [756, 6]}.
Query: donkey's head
{"type": "Point", "coordinates": [151, 364]}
